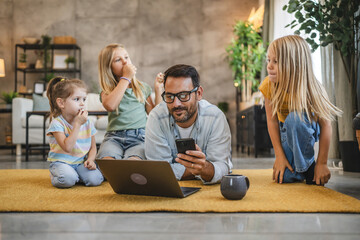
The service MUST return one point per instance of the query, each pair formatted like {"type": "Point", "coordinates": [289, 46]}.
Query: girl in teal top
{"type": "Point", "coordinates": [127, 101]}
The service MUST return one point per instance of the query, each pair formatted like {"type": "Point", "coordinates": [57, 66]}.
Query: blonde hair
{"type": "Point", "coordinates": [296, 79]}
{"type": "Point", "coordinates": [107, 80]}
{"type": "Point", "coordinates": [61, 87]}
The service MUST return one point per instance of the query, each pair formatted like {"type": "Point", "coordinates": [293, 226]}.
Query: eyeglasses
{"type": "Point", "coordinates": [182, 96]}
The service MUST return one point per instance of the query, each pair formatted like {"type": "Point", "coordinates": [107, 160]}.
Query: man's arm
{"type": "Point", "coordinates": [218, 148]}
{"type": "Point", "coordinates": [196, 165]}
{"type": "Point", "coordinates": [217, 162]}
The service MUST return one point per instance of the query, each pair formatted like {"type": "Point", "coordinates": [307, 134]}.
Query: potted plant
{"type": "Point", "coordinates": [223, 106]}
{"type": "Point", "coordinates": [334, 22]}
{"type": "Point", "coordinates": [48, 77]}
{"type": "Point", "coordinates": [70, 62]}
{"type": "Point", "coordinates": [245, 54]}
{"type": "Point", "coordinates": [22, 61]}
{"type": "Point", "coordinates": [45, 45]}
{"type": "Point", "coordinates": [7, 97]}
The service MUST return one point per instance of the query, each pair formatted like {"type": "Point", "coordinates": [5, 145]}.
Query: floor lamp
{"type": "Point", "coordinates": [2, 68]}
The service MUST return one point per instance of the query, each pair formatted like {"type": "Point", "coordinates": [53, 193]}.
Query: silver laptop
{"type": "Point", "coordinates": [153, 178]}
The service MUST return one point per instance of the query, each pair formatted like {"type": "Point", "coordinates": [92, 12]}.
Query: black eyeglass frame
{"type": "Point", "coordinates": [178, 95]}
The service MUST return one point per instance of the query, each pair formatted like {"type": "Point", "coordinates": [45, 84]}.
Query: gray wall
{"type": "Point", "coordinates": [156, 33]}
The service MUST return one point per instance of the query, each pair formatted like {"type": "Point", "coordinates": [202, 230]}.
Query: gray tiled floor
{"type": "Point", "coordinates": [185, 225]}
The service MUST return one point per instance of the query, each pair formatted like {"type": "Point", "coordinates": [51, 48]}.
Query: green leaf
{"type": "Point", "coordinates": [246, 51]}
{"type": "Point", "coordinates": [298, 15]}
{"type": "Point", "coordinates": [292, 7]}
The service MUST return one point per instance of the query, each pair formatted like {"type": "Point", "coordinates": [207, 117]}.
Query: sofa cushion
{"type": "Point", "coordinates": [93, 119]}
{"type": "Point", "coordinates": [101, 123]}
{"type": "Point", "coordinates": [35, 121]}
{"type": "Point", "coordinates": [40, 103]}
{"type": "Point", "coordinates": [93, 102]}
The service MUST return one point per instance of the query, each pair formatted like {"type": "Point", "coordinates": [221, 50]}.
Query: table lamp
{"type": "Point", "coordinates": [2, 68]}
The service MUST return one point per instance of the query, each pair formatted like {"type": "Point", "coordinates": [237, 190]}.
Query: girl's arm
{"type": "Point", "coordinates": [280, 159]}
{"type": "Point", "coordinates": [112, 100]}
{"type": "Point", "coordinates": [90, 162]}
{"type": "Point", "coordinates": [68, 143]}
{"type": "Point", "coordinates": [159, 88]}
{"type": "Point", "coordinates": [322, 173]}
{"type": "Point", "coordinates": [149, 105]}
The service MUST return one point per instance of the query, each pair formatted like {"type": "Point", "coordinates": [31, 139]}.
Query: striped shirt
{"type": "Point", "coordinates": [82, 145]}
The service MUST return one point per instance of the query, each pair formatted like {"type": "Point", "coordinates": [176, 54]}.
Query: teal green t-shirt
{"type": "Point", "coordinates": [131, 114]}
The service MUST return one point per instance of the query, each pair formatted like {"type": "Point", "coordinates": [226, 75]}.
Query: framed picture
{"type": "Point", "coordinates": [39, 87]}
{"type": "Point", "coordinates": [59, 61]}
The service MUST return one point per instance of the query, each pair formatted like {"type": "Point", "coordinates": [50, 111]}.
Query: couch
{"type": "Point", "coordinates": [40, 103]}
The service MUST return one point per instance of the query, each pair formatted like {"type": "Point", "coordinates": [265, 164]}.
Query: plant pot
{"type": "Point", "coordinates": [71, 65]}
{"type": "Point", "coordinates": [39, 64]}
{"type": "Point", "coordinates": [350, 156]}
{"type": "Point", "coordinates": [22, 65]}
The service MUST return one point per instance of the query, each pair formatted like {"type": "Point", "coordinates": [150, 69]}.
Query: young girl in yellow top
{"type": "Point", "coordinates": [298, 113]}
{"type": "Point", "coordinates": [127, 101]}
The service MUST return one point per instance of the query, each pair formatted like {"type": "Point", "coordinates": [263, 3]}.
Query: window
{"type": "Point", "coordinates": [281, 19]}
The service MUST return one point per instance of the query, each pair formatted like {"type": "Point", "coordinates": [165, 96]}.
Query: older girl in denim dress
{"type": "Point", "coordinates": [127, 101]}
{"type": "Point", "coordinates": [298, 112]}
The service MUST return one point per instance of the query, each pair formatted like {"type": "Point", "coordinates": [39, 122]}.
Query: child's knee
{"type": "Point", "coordinates": [93, 179]}
{"type": "Point", "coordinates": [64, 180]}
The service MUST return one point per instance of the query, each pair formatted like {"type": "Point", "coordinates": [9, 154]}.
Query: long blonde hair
{"type": "Point", "coordinates": [61, 87]}
{"type": "Point", "coordinates": [107, 79]}
{"type": "Point", "coordinates": [297, 82]}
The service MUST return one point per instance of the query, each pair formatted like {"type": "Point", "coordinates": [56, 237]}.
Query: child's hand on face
{"type": "Point", "coordinates": [90, 165]}
{"type": "Point", "coordinates": [81, 118]}
{"type": "Point", "coordinates": [129, 70]}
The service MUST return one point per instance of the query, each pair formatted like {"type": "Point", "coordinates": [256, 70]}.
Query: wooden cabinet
{"type": "Point", "coordinates": [251, 129]}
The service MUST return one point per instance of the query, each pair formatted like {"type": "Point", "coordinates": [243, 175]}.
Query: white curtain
{"type": "Point", "coordinates": [328, 80]}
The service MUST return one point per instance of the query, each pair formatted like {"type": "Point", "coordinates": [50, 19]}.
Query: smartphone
{"type": "Point", "coordinates": [184, 144]}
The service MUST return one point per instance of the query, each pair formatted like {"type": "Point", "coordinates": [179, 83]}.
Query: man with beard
{"type": "Point", "coordinates": [184, 114]}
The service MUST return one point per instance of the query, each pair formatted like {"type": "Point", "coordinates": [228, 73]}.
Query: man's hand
{"type": "Point", "coordinates": [321, 174]}
{"type": "Point", "coordinates": [281, 163]}
{"type": "Point", "coordinates": [196, 164]}
{"type": "Point", "coordinates": [90, 165]}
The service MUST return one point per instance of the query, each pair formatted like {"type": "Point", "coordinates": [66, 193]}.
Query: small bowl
{"type": "Point", "coordinates": [31, 40]}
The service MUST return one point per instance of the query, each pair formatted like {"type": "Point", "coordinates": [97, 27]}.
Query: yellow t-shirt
{"type": "Point", "coordinates": [265, 88]}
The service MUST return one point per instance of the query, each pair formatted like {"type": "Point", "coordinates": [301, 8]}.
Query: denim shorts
{"type": "Point", "coordinates": [123, 144]}
{"type": "Point", "coordinates": [297, 139]}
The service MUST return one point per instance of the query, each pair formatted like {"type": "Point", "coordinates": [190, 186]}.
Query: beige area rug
{"type": "Point", "coordinates": [31, 191]}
